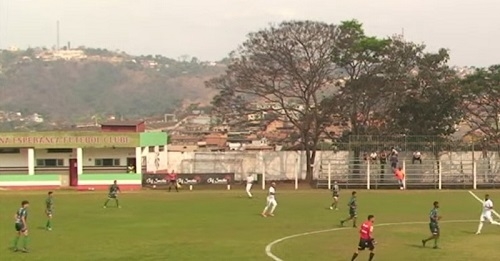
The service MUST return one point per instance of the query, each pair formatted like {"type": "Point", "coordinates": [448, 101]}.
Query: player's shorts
{"type": "Point", "coordinates": [434, 228]}
{"type": "Point", "coordinates": [19, 227]}
{"type": "Point", "coordinates": [48, 212]}
{"type": "Point", "coordinates": [486, 217]}
{"type": "Point", "coordinates": [173, 182]}
{"type": "Point", "coordinates": [353, 213]}
{"type": "Point", "coordinates": [394, 165]}
{"type": "Point", "coordinates": [366, 244]}
{"type": "Point", "coordinates": [336, 196]}
{"type": "Point", "coordinates": [112, 195]}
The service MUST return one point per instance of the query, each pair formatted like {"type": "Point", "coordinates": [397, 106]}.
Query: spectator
{"type": "Point", "coordinates": [417, 156]}
{"type": "Point", "coordinates": [373, 157]}
{"type": "Point", "coordinates": [383, 158]}
{"type": "Point", "coordinates": [394, 160]}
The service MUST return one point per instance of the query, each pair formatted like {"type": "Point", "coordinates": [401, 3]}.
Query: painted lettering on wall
{"type": "Point", "coordinates": [51, 140]}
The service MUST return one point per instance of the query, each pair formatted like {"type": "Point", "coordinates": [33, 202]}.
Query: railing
{"type": "Point", "coordinates": [437, 174]}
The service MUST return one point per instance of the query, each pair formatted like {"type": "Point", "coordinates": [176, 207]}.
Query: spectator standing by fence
{"type": "Point", "coordinates": [394, 160]}
{"type": "Point", "coordinates": [417, 156]}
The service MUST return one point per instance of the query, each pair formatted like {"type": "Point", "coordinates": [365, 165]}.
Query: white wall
{"type": "Point", "coordinates": [150, 159]}
{"type": "Point", "coordinates": [281, 165]}
{"type": "Point", "coordinates": [14, 160]}
{"type": "Point", "coordinates": [89, 155]}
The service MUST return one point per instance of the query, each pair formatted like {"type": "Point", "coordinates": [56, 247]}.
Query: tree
{"type": "Point", "coordinates": [285, 70]}
{"type": "Point", "coordinates": [429, 103]}
{"type": "Point", "coordinates": [363, 88]}
{"type": "Point", "coordinates": [481, 92]}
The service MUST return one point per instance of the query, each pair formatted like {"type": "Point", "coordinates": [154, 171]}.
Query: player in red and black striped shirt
{"type": "Point", "coordinates": [366, 239]}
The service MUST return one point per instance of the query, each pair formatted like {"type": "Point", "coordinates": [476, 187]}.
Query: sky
{"type": "Point", "coordinates": [210, 29]}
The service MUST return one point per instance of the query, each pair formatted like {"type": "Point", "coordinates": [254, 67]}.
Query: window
{"type": "Point", "coordinates": [107, 162]}
{"type": "Point", "coordinates": [59, 150]}
{"type": "Point", "coordinates": [161, 148]}
{"type": "Point", "coordinates": [49, 162]}
{"type": "Point", "coordinates": [9, 151]}
{"type": "Point", "coordinates": [151, 149]}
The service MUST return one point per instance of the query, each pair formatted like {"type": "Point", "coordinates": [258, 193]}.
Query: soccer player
{"type": "Point", "coordinates": [434, 226]}
{"type": "Point", "coordinates": [336, 195]}
{"type": "Point", "coordinates": [249, 185]}
{"type": "Point", "coordinates": [21, 226]}
{"type": "Point", "coordinates": [486, 215]}
{"type": "Point", "coordinates": [113, 191]}
{"type": "Point", "coordinates": [271, 202]}
{"type": "Point", "coordinates": [49, 207]}
{"type": "Point", "coordinates": [366, 239]}
{"type": "Point", "coordinates": [353, 214]}
{"type": "Point", "coordinates": [173, 181]}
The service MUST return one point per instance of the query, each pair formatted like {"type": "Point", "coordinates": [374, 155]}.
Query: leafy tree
{"type": "Point", "coordinates": [429, 103]}
{"type": "Point", "coordinates": [284, 70]}
{"type": "Point", "coordinates": [481, 92]}
{"type": "Point", "coordinates": [363, 88]}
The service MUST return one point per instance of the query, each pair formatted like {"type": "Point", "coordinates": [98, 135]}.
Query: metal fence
{"type": "Point", "coordinates": [468, 174]}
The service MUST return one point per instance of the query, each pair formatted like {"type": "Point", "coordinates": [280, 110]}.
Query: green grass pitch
{"type": "Point", "coordinates": [225, 225]}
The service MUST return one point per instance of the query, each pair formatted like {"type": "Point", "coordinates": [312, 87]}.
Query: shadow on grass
{"type": "Point", "coordinates": [415, 246]}
{"type": "Point", "coordinates": [468, 232]}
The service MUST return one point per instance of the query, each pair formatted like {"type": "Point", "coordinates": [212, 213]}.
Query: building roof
{"type": "Point", "coordinates": [122, 123]}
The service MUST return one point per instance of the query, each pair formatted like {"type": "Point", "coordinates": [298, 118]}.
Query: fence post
{"type": "Point", "coordinates": [474, 175]}
{"type": "Point", "coordinates": [329, 175]}
{"type": "Point", "coordinates": [368, 175]}
{"type": "Point", "coordinates": [440, 175]}
{"type": "Point", "coordinates": [296, 174]}
{"type": "Point", "coordinates": [263, 170]}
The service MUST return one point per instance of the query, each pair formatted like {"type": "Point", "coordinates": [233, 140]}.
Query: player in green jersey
{"type": "Point", "coordinates": [49, 209]}
{"type": "Point", "coordinates": [21, 226]}
{"type": "Point", "coordinates": [434, 226]}
{"type": "Point", "coordinates": [353, 212]}
{"type": "Point", "coordinates": [336, 196]}
{"type": "Point", "coordinates": [113, 194]}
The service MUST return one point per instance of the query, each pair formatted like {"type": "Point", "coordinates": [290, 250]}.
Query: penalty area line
{"type": "Point", "coordinates": [482, 201]}
{"type": "Point", "coordinates": [270, 246]}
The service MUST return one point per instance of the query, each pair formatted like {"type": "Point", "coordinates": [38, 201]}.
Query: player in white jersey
{"type": "Point", "coordinates": [336, 195]}
{"type": "Point", "coordinates": [250, 181]}
{"type": "Point", "coordinates": [271, 202]}
{"type": "Point", "coordinates": [486, 214]}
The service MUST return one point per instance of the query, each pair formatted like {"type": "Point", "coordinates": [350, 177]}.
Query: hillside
{"type": "Point", "coordinates": [76, 84]}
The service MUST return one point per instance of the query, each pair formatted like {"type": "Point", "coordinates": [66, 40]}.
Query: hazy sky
{"type": "Point", "coordinates": [210, 29]}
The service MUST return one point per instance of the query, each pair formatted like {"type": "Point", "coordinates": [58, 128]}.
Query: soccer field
{"type": "Point", "coordinates": [225, 225]}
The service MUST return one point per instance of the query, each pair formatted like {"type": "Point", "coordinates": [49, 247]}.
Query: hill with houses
{"type": "Point", "coordinates": [85, 84]}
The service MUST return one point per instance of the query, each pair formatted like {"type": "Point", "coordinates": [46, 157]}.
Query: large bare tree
{"type": "Point", "coordinates": [284, 70]}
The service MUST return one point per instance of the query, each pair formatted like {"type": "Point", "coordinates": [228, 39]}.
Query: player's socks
{"type": "Point", "coordinates": [117, 203]}
{"type": "Point", "coordinates": [106, 203]}
{"type": "Point", "coordinates": [436, 242]}
{"type": "Point", "coordinates": [354, 256]}
{"type": "Point", "coordinates": [49, 224]}
{"type": "Point", "coordinates": [25, 242]}
{"type": "Point", "coordinates": [479, 228]}
{"type": "Point", "coordinates": [493, 222]}
{"type": "Point", "coordinates": [16, 240]}
{"type": "Point", "coordinates": [371, 256]}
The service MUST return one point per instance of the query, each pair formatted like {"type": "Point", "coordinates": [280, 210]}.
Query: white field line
{"type": "Point", "coordinates": [482, 201]}
{"type": "Point", "coordinates": [269, 247]}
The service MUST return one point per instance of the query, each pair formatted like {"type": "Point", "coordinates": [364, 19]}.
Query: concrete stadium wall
{"type": "Point", "coordinates": [282, 165]}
